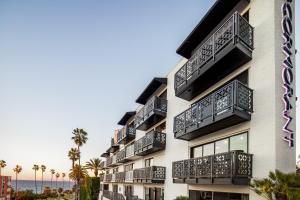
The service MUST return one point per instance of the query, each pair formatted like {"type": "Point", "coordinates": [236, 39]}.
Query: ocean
{"type": "Point", "coordinates": [30, 185]}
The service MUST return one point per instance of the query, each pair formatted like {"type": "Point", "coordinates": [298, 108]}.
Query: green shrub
{"type": "Point", "coordinates": [182, 198]}
{"type": "Point", "coordinates": [89, 190]}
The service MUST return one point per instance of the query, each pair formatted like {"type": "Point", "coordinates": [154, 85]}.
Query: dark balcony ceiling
{"type": "Point", "coordinates": [211, 19]}
{"type": "Point", "coordinates": [126, 117]}
{"type": "Point", "coordinates": [150, 89]}
{"type": "Point", "coordinates": [105, 155]}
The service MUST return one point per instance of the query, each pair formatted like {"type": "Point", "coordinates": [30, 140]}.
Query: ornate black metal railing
{"type": "Point", "coordinates": [132, 197]}
{"type": "Point", "coordinates": [236, 28]}
{"type": "Point", "coordinates": [120, 177]}
{"type": "Point", "coordinates": [210, 109]}
{"type": "Point", "coordinates": [150, 143]}
{"type": "Point", "coordinates": [110, 161]}
{"type": "Point", "coordinates": [153, 105]}
{"type": "Point", "coordinates": [108, 178]}
{"type": "Point", "coordinates": [127, 132]}
{"type": "Point", "coordinates": [121, 156]}
{"type": "Point", "coordinates": [113, 195]}
{"type": "Point", "coordinates": [233, 165]}
{"type": "Point", "coordinates": [150, 174]}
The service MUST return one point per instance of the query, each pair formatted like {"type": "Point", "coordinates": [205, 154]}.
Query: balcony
{"type": "Point", "coordinates": [103, 165]}
{"type": "Point", "coordinates": [227, 168]}
{"type": "Point", "coordinates": [227, 49]}
{"type": "Point", "coordinates": [152, 142]}
{"type": "Point", "coordinates": [153, 174]}
{"type": "Point", "coordinates": [129, 177]}
{"type": "Point", "coordinates": [111, 161]}
{"type": "Point", "coordinates": [108, 178]}
{"type": "Point", "coordinates": [113, 195]}
{"type": "Point", "coordinates": [126, 134]}
{"type": "Point", "coordinates": [120, 177]}
{"type": "Point", "coordinates": [153, 112]}
{"type": "Point", "coordinates": [228, 106]}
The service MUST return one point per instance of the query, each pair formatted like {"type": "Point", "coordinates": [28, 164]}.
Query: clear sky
{"type": "Point", "coordinates": [67, 64]}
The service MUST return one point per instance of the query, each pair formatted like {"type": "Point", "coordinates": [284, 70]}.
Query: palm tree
{"type": "Point", "coordinates": [43, 168]}
{"type": "Point", "coordinates": [35, 168]}
{"type": "Point", "coordinates": [77, 173]}
{"type": "Point", "coordinates": [52, 174]}
{"type": "Point", "coordinates": [2, 165]}
{"type": "Point", "coordinates": [278, 186]}
{"type": "Point", "coordinates": [94, 165]}
{"type": "Point", "coordinates": [63, 175]}
{"type": "Point", "coordinates": [80, 138]}
{"type": "Point", "coordinates": [17, 170]}
{"type": "Point", "coordinates": [73, 155]}
{"type": "Point", "coordinates": [57, 175]}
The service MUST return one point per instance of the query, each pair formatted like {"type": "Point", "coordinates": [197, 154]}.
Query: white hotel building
{"type": "Point", "coordinates": [224, 114]}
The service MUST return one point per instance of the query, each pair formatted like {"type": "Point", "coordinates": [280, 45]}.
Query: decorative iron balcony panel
{"type": "Point", "coordinates": [227, 49]}
{"type": "Point", "coordinates": [153, 112]}
{"type": "Point", "coordinates": [120, 177]}
{"type": "Point", "coordinates": [228, 106]}
{"type": "Point", "coordinates": [121, 156]}
{"type": "Point", "coordinates": [113, 195]}
{"type": "Point", "coordinates": [234, 167]}
{"type": "Point", "coordinates": [111, 161]}
{"type": "Point", "coordinates": [153, 174]}
{"type": "Point", "coordinates": [129, 177]}
{"type": "Point", "coordinates": [152, 142]}
{"type": "Point", "coordinates": [107, 178]}
{"type": "Point", "coordinates": [126, 134]}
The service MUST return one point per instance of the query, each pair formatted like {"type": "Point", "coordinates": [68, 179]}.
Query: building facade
{"type": "Point", "coordinates": [224, 114]}
{"type": "Point", "coordinates": [5, 187]}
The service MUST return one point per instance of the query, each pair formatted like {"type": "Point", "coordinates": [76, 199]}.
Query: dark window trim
{"type": "Point", "coordinates": [214, 142]}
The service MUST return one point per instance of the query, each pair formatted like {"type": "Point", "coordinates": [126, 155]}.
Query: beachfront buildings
{"type": "Point", "coordinates": [223, 115]}
{"type": "Point", "coordinates": [5, 187]}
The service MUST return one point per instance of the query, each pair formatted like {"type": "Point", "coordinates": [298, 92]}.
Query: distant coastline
{"type": "Point", "coordinates": [30, 185]}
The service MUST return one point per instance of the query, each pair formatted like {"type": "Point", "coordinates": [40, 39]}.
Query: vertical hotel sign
{"type": "Point", "coordinates": [287, 66]}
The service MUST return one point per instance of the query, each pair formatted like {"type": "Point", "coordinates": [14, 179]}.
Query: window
{"type": "Point", "coordinates": [115, 170]}
{"type": "Point", "coordinates": [197, 152]}
{"type": "Point", "coordinates": [128, 190]}
{"type": "Point", "coordinates": [154, 193]}
{"type": "Point", "coordinates": [129, 167]}
{"type": "Point", "coordinates": [239, 142]}
{"type": "Point", "coordinates": [149, 162]}
{"type": "Point", "coordinates": [208, 149]}
{"type": "Point", "coordinates": [236, 142]}
{"type": "Point", "coordinates": [222, 146]}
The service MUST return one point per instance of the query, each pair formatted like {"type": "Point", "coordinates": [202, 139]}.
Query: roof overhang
{"type": "Point", "coordinates": [126, 117]}
{"type": "Point", "coordinates": [150, 89]}
{"type": "Point", "coordinates": [105, 155]}
{"type": "Point", "coordinates": [211, 19]}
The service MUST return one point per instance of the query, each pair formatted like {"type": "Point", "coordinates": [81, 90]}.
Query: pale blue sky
{"type": "Point", "coordinates": [67, 64]}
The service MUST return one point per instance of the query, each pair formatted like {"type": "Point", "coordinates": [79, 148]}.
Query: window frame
{"type": "Point", "coordinates": [214, 143]}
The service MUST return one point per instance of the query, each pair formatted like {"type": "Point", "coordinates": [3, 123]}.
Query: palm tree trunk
{"type": "Point", "coordinates": [51, 180]}
{"type": "Point", "coordinates": [56, 183]}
